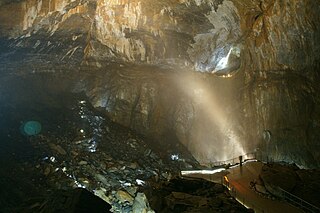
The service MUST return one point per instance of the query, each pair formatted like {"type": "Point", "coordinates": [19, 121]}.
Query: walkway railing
{"type": "Point", "coordinates": [233, 161]}
{"type": "Point", "coordinates": [292, 199]}
{"type": "Point", "coordinates": [296, 201]}
{"type": "Point", "coordinates": [241, 198]}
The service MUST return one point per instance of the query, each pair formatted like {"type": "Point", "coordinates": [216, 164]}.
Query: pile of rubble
{"type": "Point", "coordinates": [80, 148]}
{"type": "Point", "coordinates": [89, 151]}
{"type": "Point", "coordinates": [191, 195]}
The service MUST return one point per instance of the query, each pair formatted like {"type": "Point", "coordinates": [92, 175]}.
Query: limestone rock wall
{"type": "Point", "coordinates": [281, 66]}
{"type": "Point", "coordinates": [269, 49]}
{"type": "Point", "coordinates": [148, 31]}
{"type": "Point", "coordinates": [281, 34]}
{"type": "Point", "coordinates": [32, 15]}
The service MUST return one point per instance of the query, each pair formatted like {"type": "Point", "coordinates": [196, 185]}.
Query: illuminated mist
{"type": "Point", "coordinates": [212, 136]}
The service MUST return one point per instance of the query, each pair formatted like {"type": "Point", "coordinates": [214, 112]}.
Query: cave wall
{"type": "Point", "coordinates": [274, 68]}
{"type": "Point", "coordinates": [166, 105]}
{"type": "Point", "coordinates": [281, 69]}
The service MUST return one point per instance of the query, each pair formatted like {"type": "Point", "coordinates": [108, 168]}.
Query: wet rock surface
{"type": "Point", "coordinates": [299, 182]}
{"type": "Point", "coordinates": [191, 195]}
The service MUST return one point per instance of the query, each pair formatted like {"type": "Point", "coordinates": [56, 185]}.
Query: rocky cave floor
{"type": "Point", "coordinates": [79, 148]}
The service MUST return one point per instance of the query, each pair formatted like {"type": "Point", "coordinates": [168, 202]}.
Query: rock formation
{"type": "Point", "coordinates": [212, 74]}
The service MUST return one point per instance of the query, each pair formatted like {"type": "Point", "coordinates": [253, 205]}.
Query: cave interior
{"type": "Point", "coordinates": [115, 98]}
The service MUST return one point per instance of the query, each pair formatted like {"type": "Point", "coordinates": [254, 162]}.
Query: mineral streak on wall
{"type": "Point", "coordinates": [270, 48]}
{"type": "Point", "coordinates": [34, 14]}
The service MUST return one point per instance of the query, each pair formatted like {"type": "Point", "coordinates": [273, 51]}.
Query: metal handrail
{"type": "Point", "coordinates": [293, 199]}
{"type": "Point", "coordinates": [234, 160]}
{"type": "Point", "coordinates": [241, 198]}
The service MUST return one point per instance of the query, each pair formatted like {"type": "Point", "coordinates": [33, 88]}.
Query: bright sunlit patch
{"type": "Point", "coordinates": [174, 157]}
{"type": "Point", "coordinates": [93, 145]}
{"type": "Point", "coordinates": [251, 160]}
{"type": "Point", "coordinates": [71, 176]}
{"type": "Point", "coordinates": [204, 172]}
{"type": "Point", "coordinates": [125, 184]}
{"type": "Point", "coordinates": [223, 63]}
{"type": "Point", "coordinates": [78, 184]}
{"type": "Point", "coordinates": [140, 182]}
{"type": "Point", "coordinates": [52, 159]}
{"type": "Point", "coordinates": [228, 64]}
{"type": "Point", "coordinates": [226, 76]}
